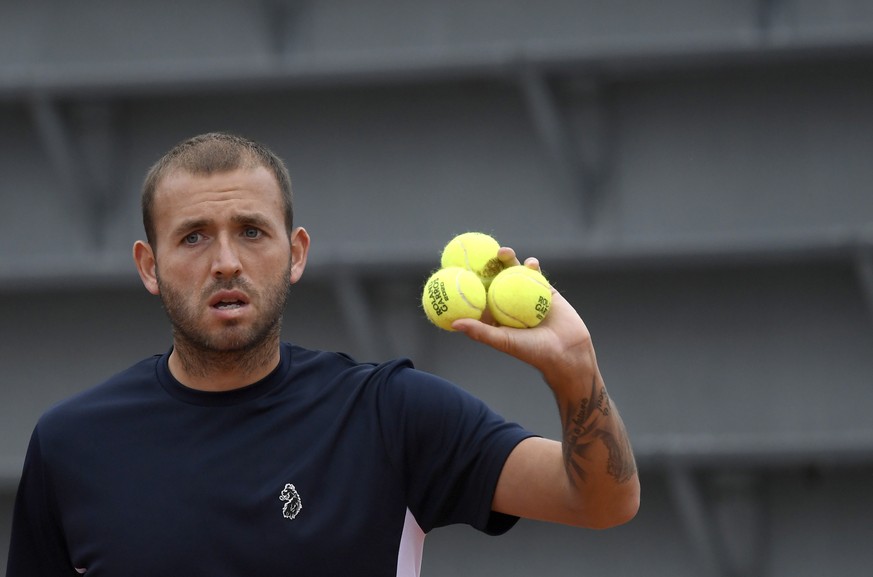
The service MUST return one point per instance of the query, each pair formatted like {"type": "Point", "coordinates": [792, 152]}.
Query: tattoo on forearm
{"type": "Point", "coordinates": [588, 422]}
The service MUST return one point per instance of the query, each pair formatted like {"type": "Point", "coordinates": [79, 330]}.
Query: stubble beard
{"type": "Point", "coordinates": [233, 347]}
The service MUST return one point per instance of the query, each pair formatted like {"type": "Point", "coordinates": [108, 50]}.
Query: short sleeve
{"type": "Point", "coordinates": [450, 448]}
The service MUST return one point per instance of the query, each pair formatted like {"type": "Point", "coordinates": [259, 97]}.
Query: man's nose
{"type": "Point", "coordinates": [226, 263]}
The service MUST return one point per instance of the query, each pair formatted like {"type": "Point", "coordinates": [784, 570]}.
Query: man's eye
{"type": "Point", "coordinates": [252, 233]}
{"type": "Point", "coordinates": [192, 238]}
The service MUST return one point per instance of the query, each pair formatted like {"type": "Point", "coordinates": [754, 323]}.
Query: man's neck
{"type": "Point", "coordinates": [218, 371]}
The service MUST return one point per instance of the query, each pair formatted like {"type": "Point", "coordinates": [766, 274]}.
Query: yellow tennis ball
{"type": "Point", "coordinates": [475, 251]}
{"type": "Point", "coordinates": [519, 297]}
{"type": "Point", "coordinates": [453, 293]}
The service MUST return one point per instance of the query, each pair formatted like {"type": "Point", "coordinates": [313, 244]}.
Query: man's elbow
{"type": "Point", "coordinates": [618, 515]}
{"type": "Point", "coordinates": [616, 510]}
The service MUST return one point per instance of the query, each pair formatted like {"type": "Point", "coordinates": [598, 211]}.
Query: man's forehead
{"type": "Point", "coordinates": [182, 176]}
{"type": "Point", "coordinates": [180, 185]}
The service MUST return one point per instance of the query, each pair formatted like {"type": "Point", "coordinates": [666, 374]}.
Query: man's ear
{"type": "Point", "coordinates": [144, 257]}
{"type": "Point", "coordinates": [299, 251]}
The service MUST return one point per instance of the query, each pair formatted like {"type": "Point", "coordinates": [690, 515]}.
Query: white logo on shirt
{"type": "Point", "coordinates": [292, 501]}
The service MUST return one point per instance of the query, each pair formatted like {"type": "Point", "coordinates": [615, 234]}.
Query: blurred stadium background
{"type": "Point", "coordinates": [695, 175]}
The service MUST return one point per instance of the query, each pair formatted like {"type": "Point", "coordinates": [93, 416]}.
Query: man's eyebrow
{"type": "Point", "coordinates": [190, 224]}
{"type": "Point", "coordinates": [252, 219]}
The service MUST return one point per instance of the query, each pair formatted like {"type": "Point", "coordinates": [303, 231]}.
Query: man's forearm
{"type": "Point", "coordinates": [591, 423]}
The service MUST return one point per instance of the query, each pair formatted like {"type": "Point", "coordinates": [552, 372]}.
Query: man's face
{"type": "Point", "coordinates": [223, 258]}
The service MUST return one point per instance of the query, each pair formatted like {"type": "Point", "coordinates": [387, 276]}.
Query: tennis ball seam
{"type": "Point", "coordinates": [452, 293]}
{"type": "Point", "coordinates": [515, 318]}
{"type": "Point", "coordinates": [489, 268]}
{"type": "Point", "coordinates": [463, 295]}
{"type": "Point", "coordinates": [509, 316]}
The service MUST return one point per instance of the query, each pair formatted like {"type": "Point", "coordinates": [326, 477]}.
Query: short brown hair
{"type": "Point", "coordinates": [211, 153]}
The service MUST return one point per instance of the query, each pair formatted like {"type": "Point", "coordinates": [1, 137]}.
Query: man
{"type": "Point", "coordinates": [237, 454]}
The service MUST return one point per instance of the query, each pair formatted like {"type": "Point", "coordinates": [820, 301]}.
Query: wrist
{"type": "Point", "coordinates": [571, 372]}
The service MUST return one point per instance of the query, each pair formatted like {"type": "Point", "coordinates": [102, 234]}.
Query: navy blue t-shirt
{"type": "Point", "coordinates": [325, 467]}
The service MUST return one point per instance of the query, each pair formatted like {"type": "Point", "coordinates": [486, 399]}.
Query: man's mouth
{"type": "Point", "coordinates": [228, 300]}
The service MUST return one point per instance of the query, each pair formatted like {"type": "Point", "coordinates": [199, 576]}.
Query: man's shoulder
{"type": "Point", "coordinates": [130, 385]}
{"type": "Point", "coordinates": [342, 372]}
{"type": "Point", "coordinates": [307, 360]}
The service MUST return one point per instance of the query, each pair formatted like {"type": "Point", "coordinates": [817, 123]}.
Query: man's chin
{"type": "Point", "coordinates": [230, 340]}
